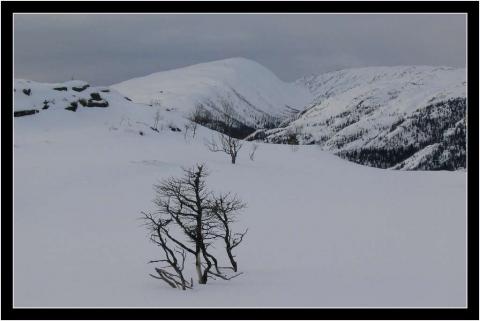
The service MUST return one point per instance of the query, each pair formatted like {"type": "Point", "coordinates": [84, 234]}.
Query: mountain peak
{"type": "Point", "coordinates": [252, 89]}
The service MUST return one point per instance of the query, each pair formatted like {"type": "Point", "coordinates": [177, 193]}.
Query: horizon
{"type": "Point", "coordinates": [213, 61]}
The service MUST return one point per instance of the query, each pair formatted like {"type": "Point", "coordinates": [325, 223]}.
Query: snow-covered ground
{"type": "Point", "coordinates": [323, 232]}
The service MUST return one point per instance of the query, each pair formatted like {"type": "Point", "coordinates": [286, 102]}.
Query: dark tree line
{"type": "Point", "coordinates": [206, 118]}
{"type": "Point", "coordinates": [442, 123]}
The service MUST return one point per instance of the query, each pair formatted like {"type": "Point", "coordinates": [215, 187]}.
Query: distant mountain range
{"type": "Point", "coordinates": [407, 117]}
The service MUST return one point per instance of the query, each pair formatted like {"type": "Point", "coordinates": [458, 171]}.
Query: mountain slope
{"type": "Point", "coordinates": [257, 96]}
{"type": "Point", "coordinates": [82, 178]}
{"type": "Point", "coordinates": [323, 232]}
{"type": "Point", "coordinates": [387, 117]}
{"type": "Point", "coordinates": [76, 102]}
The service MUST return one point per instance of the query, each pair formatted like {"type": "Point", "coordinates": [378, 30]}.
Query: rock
{"type": "Point", "coordinates": [79, 89]}
{"type": "Point", "coordinates": [73, 106]}
{"type": "Point", "coordinates": [21, 113]}
{"type": "Point", "coordinates": [97, 103]}
{"type": "Point", "coordinates": [95, 96]}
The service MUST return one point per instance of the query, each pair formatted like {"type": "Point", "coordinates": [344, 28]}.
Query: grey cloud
{"type": "Point", "coordinates": [105, 49]}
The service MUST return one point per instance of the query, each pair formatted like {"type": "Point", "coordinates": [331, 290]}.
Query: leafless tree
{"type": "Point", "coordinates": [186, 127]}
{"type": "Point", "coordinates": [200, 218]}
{"type": "Point", "coordinates": [252, 152]}
{"type": "Point", "coordinates": [226, 143]}
{"type": "Point", "coordinates": [156, 118]}
{"type": "Point", "coordinates": [292, 137]}
{"type": "Point", "coordinates": [225, 207]}
{"type": "Point", "coordinates": [200, 115]}
{"type": "Point", "coordinates": [158, 234]}
{"type": "Point", "coordinates": [193, 125]}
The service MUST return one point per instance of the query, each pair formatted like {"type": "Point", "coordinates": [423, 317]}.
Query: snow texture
{"type": "Point", "coordinates": [323, 232]}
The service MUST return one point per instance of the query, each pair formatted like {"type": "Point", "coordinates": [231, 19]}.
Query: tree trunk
{"type": "Point", "coordinates": [198, 265]}
{"type": "Point", "coordinates": [233, 159]}
{"type": "Point", "coordinates": [232, 260]}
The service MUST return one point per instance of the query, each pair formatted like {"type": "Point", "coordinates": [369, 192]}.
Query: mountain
{"type": "Point", "coordinates": [405, 117]}
{"type": "Point", "coordinates": [258, 98]}
{"type": "Point", "coordinates": [322, 232]}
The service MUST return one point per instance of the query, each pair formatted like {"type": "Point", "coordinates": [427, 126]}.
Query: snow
{"type": "Point", "coordinates": [40, 92]}
{"type": "Point", "coordinates": [254, 90]}
{"type": "Point", "coordinates": [364, 103]}
{"type": "Point", "coordinates": [413, 161]}
{"type": "Point", "coordinates": [322, 231]}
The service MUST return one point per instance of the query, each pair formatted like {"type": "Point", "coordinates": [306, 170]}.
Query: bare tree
{"type": "Point", "coordinates": [193, 125]}
{"type": "Point", "coordinates": [159, 229]}
{"type": "Point", "coordinates": [200, 218]}
{"type": "Point", "coordinates": [200, 115]}
{"type": "Point", "coordinates": [190, 126]}
{"type": "Point", "coordinates": [156, 118]}
{"type": "Point", "coordinates": [292, 137]}
{"type": "Point", "coordinates": [252, 152]}
{"type": "Point", "coordinates": [225, 142]}
{"type": "Point", "coordinates": [185, 132]}
{"type": "Point", "coordinates": [225, 207]}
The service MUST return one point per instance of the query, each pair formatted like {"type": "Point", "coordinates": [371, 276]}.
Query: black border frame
{"type": "Point", "coordinates": [469, 7]}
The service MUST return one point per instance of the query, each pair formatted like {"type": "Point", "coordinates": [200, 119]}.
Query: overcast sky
{"type": "Point", "coordinates": [106, 49]}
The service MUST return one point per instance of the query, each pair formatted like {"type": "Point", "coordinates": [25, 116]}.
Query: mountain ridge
{"type": "Point", "coordinates": [370, 116]}
{"type": "Point", "coordinates": [256, 93]}
{"type": "Point", "coordinates": [400, 117]}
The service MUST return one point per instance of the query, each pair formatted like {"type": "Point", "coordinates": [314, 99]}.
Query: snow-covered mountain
{"type": "Point", "coordinates": [85, 160]}
{"type": "Point", "coordinates": [406, 117]}
{"type": "Point", "coordinates": [359, 236]}
{"type": "Point", "coordinates": [257, 96]}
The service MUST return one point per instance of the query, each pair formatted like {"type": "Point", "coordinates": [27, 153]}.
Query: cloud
{"type": "Point", "coordinates": [106, 49]}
